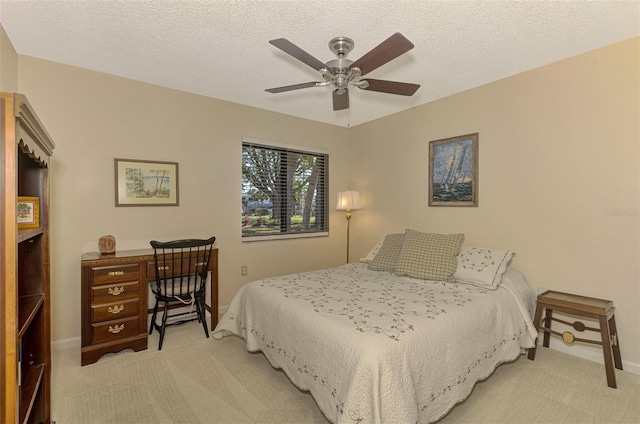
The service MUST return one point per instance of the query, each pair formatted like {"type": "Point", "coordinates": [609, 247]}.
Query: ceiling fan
{"type": "Point", "coordinates": [342, 72]}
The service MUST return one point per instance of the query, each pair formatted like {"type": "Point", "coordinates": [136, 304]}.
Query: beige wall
{"type": "Point", "coordinates": [559, 150]}
{"type": "Point", "coordinates": [94, 118]}
{"type": "Point", "coordinates": [8, 64]}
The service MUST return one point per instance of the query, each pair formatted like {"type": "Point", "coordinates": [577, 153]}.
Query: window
{"type": "Point", "coordinates": [284, 191]}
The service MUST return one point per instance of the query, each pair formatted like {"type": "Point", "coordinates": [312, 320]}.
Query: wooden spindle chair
{"type": "Point", "coordinates": [181, 272]}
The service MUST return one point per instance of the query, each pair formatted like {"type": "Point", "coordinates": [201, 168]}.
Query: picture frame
{"type": "Point", "coordinates": [146, 183]}
{"type": "Point", "coordinates": [28, 212]}
{"type": "Point", "coordinates": [453, 171]}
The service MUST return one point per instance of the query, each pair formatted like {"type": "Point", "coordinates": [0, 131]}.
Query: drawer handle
{"type": "Point", "coordinates": [116, 290]}
{"type": "Point", "coordinates": [116, 329]}
{"type": "Point", "coordinates": [114, 273]}
{"type": "Point", "coordinates": [116, 309]}
{"type": "Point", "coordinates": [200, 264]}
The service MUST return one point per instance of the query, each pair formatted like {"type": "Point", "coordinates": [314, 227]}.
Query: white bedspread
{"type": "Point", "coordinates": [372, 347]}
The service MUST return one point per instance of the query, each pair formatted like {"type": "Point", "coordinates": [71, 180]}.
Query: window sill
{"type": "Point", "coordinates": [284, 237]}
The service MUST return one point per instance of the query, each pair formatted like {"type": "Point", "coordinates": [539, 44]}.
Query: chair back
{"type": "Point", "coordinates": [181, 268]}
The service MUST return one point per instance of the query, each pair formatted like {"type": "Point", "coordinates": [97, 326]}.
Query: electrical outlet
{"type": "Point", "coordinates": [243, 270]}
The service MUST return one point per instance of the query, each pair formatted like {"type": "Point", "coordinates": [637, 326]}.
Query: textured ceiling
{"type": "Point", "coordinates": [221, 48]}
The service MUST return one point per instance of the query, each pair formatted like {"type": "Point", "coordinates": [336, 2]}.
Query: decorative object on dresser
{"type": "Point", "coordinates": [348, 201]}
{"type": "Point", "coordinates": [114, 300]}
{"type": "Point", "coordinates": [589, 307]}
{"type": "Point", "coordinates": [107, 244]}
{"type": "Point", "coordinates": [453, 171]}
{"type": "Point", "coordinates": [146, 183]}
{"type": "Point", "coordinates": [181, 271]}
{"type": "Point", "coordinates": [25, 321]}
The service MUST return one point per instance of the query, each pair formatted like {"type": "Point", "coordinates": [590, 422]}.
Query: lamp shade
{"type": "Point", "coordinates": [348, 200]}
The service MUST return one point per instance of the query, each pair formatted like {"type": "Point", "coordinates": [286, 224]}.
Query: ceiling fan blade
{"type": "Point", "coordinates": [386, 51]}
{"type": "Point", "coordinates": [340, 101]}
{"type": "Point", "coordinates": [391, 87]}
{"type": "Point", "coordinates": [291, 87]}
{"type": "Point", "coordinates": [295, 51]}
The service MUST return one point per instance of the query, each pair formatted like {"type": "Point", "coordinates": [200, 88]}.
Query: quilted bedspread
{"type": "Point", "coordinates": [373, 347]}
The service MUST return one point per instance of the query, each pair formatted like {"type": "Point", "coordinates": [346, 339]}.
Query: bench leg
{"type": "Point", "coordinates": [608, 354]}
{"type": "Point", "coordinates": [617, 358]}
{"type": "Point", "coordinates": [547, 324]}
{"type": "Point", "coordinates": [536, 322]}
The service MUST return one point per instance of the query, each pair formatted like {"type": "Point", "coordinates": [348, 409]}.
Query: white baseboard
{"type": "Point", "coordinates": [75, 341]}
{"type": "Point", "coordinates": [63, 344]}
{"type": "Point", "coordinates": [590, 353]}
{"type": "Point", "coordinates": [585, 352]}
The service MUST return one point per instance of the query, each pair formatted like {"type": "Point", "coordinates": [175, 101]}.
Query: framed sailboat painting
{"type": "Point", "coordinates": [453, 171]}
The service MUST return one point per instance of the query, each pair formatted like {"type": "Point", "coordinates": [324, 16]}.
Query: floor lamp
{"type": "Point", "coordinates": [348, 201]}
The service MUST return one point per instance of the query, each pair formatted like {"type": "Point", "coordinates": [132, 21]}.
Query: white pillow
{"type": "Point", "coordinates": [372, 253]}
{"type": "Point", "coordinates": [482, 266]}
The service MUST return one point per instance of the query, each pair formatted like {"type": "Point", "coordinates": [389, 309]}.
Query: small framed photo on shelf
{"type": "Point", "coordinates": [28, 211]}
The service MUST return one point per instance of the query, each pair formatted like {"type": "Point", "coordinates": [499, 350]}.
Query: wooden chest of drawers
{"type": "Point", "coordinates": [114, 305]}
{"type": "Point", "coordinates": [114, 301]}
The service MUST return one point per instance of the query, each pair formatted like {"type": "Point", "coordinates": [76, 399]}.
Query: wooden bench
{"type": "Point", "coordinates": [582, 306]}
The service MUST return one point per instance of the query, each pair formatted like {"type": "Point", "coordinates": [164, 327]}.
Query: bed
{"type": "Point", "coordinates": [372, 346]}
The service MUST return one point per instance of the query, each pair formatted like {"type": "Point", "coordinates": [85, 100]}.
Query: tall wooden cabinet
{"type": "Point", "coordinates": [25, 336]}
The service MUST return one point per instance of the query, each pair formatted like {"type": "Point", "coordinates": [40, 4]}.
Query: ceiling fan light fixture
{"type": "Point", "coordinates": [340, 65]}
{"type": "Point", "coordinates": [341, 72]}
{"type": "Point", "coordinates": [341, 81]}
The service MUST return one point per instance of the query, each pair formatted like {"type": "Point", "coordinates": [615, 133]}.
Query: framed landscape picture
{"type": "Point", "coordinates": [453, 171]}
{"type": "Point", "coordinates": [146, 183]}
{"type": "Point", "coordinates": [28, 212]}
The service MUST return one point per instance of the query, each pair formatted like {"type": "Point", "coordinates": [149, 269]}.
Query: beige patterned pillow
{"type": "Point", "coordinates": [429, 256]}
{"type": "Point", "coordinates": [387, 256]}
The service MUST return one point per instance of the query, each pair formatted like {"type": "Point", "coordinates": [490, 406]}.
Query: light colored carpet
{"type": "Point", "coordinates": [195, 380]}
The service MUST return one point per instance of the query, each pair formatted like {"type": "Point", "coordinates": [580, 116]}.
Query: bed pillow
{"type": "Point", "coordinates": [387, 256]}
{"type": "Point", "coordinates": [482, 266]}
{"type": "Point", "coordinates": [429, 256]}
{"type": "Point", "coordinates": [372, 253]}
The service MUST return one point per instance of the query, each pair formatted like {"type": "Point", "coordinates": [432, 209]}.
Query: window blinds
{"type": "Point", "coordinates": [284, 190]}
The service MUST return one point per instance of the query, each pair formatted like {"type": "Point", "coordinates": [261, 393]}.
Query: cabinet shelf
{"type": "Point", "coordinates": [24, 235]}
{"type": "Point", "coordinates": [28, 307]}
{"type": "Point", "coordinates": [31, 379]}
